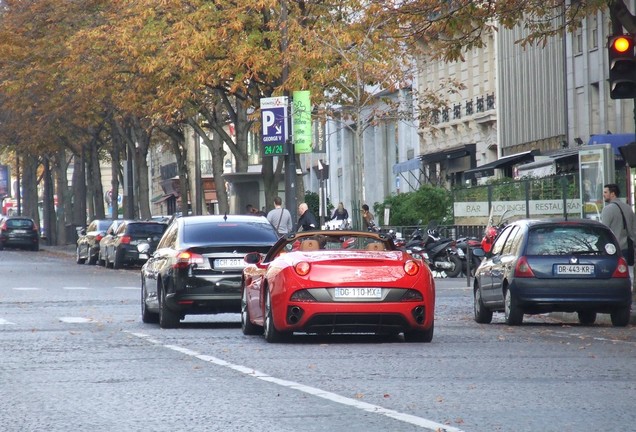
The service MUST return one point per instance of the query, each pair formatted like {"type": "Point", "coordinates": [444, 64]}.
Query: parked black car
{"type": "Point", "coordinates": [19, 231]}
{"type": "Point", "coordinates": [88, 240]}
{"type": "Point", "coordinates": [539, 266]}
{"type": "Point", "coordinates": [197, 267]}
{"type": "Point", "coordinates": [122, 248]}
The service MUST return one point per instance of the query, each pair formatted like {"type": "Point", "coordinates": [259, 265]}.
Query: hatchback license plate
{"type": "Point", "coordinates": [575, 269]}
{"type": "Point", "coordinates": [358, 293]}
{"type": "Point", "coordinates": [229, 263]}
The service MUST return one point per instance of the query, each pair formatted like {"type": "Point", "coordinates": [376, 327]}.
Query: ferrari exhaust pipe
{"type": "Point", "coordinates": [294, 313]}
{"type": "Point", "coordinates": [418, 314]}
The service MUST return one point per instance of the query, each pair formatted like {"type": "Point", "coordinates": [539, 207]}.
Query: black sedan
{"type": "Point", "coordinates": [197, 267]}
{"type": "Point", "coordinates": [18, 231]}
{"type": "Point", "coordinates": [539, 266]}
{"type": "Point", "coordinates": [125, 245]}
{"type": "Point", "coordinates": [88, 240]}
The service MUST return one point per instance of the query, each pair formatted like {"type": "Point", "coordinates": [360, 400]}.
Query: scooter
{"type": "Point", "coordinates": [440, 254]}
{"type": "Point", "coordinates": [467, 246]}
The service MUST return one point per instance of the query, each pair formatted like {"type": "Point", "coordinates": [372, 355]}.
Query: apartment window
{"type": "Point", "coordinates": [577, 41]}
{"type": "Point", "coordinates": [457, 111]}
{"type": "Point", "coordinates": [445, 115]}
{"type": "Point", "coordinates": [469, 107]}
{"type": "Point", "coordinates": [490, 101]}
{"type": "Point", "coordinates": [592, 31]}
{"type": "Point", "coordinates": [480, 104]}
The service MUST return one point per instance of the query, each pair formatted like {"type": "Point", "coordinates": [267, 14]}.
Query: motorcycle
{"type": "Point", "coordinates": [440, 254]}
{"type": "Point", "coordinates": [492, 231]}
{"type": "Point", "coordinates": [466, 245]}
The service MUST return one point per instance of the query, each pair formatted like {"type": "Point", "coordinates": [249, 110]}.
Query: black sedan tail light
{"type": "Point", "coordinates": [186, 258]}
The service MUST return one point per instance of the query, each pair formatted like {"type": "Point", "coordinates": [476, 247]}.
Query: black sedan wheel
{"type": "Point", "coordinates": [246, 325]}
{"type": "Point", "coordinates": [167, 317]}
{"type": "Point", "coordinates": [483, 315]}
{"type": "Point", "coordinates": [271, 334]}
{"type": "Point", "coordinates": [419, 336]}
{"type": "Point", "coordinates": [147, 316]}
{"type": "Point", "coordinates": [587, 317]}
{"type": "Point", "coordinates": [514, 314]}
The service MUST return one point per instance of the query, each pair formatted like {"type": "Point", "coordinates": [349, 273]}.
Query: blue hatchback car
{"type": "Point", "coordinates": [549, 265]}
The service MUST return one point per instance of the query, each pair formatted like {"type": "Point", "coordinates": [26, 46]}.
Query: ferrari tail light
{"type": "Point", "coordinates": [302, 268]}
{"type": "Point", "coordinates": [412, 295]}
{"type": "Point", "coordinates": [186, 258]}
{"type": "Point", "coordinates": [622, 270]}
{"type": "Point", "coordinates": [125, 239]}
{"type": "Point", "coordinates": [522, 269]}
{"type": "Point", "coordinates": [411, 268]}
{"type": "Point", "coordinates": [302, 296]}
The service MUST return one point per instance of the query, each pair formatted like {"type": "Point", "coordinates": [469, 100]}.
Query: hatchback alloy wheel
{"type": "Point", "coordinates": [514, 314]}
{"type": "Point", "coordinates": [483, 315]}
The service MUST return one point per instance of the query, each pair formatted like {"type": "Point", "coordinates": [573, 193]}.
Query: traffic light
{"type": "Point", "coordinates": [622, 67]}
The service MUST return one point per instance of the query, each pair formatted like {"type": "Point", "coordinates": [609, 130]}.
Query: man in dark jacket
{"type": "Point", "coordinates": [307, 221]}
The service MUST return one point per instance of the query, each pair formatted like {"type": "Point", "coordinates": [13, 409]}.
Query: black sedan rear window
{"type": "Point", "coordinates": [229, 233]}
{"type": "Point", "coordinates": [19, 223]}
{"type": "Point", "coordinates": [569, 240]}
{"type": "Point", "coordinates": [146, 230]}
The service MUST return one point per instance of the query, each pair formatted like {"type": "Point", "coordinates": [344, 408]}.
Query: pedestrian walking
{"type": "Point", "coordinates": [280, 218]}
{"type": "Point", "coordinates": [340, 213]}
{"type": "Point", "coordinates": [367, 218]}
{"type": "Point", "coordinates": [307, 221]}
{"type": "Point", "coordinates": [620, 218]}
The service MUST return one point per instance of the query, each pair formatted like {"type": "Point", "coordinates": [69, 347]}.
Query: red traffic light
{"type": "Point", "coordinates": [621, 44]}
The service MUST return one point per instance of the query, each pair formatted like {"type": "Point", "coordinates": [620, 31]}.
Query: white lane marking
{"type": "Point", "coordinates": [5, 322]}
{"type": "Point", "coordinates": [136, 288]}
{"type": "Point", "coordinates": [562, 334]}
{"type": "Point", "coordinates": [75, 288]}
{"type": "Point", "coordinates": [406, 418]}
{"type": "Point", "coordinates": [76, 320]}
{"type": "Point", "coordinates": [26, 289]}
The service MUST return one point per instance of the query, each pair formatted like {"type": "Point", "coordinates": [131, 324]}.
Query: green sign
{"type": "Point", "coordinates": [301, 121]}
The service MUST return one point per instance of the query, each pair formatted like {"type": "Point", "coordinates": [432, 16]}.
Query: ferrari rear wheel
{"type": "Point", "coordinates": [419, 336]}
{"type": "Point", "coordinates": [246, 325]}
{"type": "Point", "coordinates": [271, 334]}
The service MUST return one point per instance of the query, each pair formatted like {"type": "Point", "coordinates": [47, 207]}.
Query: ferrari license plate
{"type": "Point", "coordinates": [358, 293]}
{"type": "Point", "coordinates": [228, 263]}
{"type": "Point", "coordinates": [575, 269]}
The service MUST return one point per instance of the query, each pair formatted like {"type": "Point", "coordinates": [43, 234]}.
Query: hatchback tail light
{"type": "Point", "coordinates": [622, 269]}
{"type": "Point", "coordinates": [98, 238]}
{"type": "Point", "coordinates": [186, 258]}
{"type": "Point", "coordinates": [522, 269]}
{"type": "Point", "coordinates": [3, 227]}
{"type": "Point", "coordinates": [125, 239]}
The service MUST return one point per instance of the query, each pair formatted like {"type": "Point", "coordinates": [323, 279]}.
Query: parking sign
{"type": "Point", "coordinates": [274, 125]}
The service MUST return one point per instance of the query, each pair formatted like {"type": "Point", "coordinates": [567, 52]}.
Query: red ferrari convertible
{"type": "Point", "coordinates": [327, 282]}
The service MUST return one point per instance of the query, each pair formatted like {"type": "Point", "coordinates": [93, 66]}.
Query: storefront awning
{"type": "Point", "coordinates": [409, 165]}
{"type": "Point", "coordinates": [616, 140]}
{"type": "Point", "coordinates": [488, 170]}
